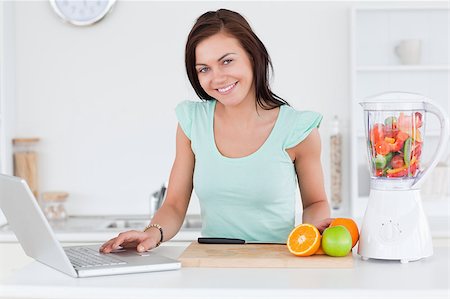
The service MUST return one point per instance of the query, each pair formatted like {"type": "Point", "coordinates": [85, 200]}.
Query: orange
{"type": "Point", "coordinates": [320, 250]}
{"type": "Point", "coordinates": [304, 240]}
{"type": "Point", "coordinates": [350, 225]}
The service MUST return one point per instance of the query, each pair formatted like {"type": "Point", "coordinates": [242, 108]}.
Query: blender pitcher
{"type": "Point", "coordinates": [394, 225]}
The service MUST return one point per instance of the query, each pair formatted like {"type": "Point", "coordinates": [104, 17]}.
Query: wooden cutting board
{"type": "Point", "coordinates": [255, 256]}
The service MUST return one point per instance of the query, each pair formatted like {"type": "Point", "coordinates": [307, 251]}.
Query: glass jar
{"type": "Point", "coordinates": [53, 205]}
{"type": "Point", "coordinates": [25, 162]}
{"type": "Point", "coordinates": [336, 164]}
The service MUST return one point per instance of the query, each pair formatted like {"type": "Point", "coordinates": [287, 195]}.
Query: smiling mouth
{"type": "Point", "coordinates": [226, 89]}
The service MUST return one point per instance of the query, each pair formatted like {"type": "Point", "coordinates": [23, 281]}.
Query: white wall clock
{"type": "Point", "coordinates": [82, 13]}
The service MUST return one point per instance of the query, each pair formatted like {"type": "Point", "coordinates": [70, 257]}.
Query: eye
{"type": "Point", "coordinates": [227, 61]}
{"type": "Point", "coordinates": [203, 69]}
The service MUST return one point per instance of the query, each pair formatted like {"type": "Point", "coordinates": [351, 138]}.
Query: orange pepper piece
{"type": "Point", "coordinates": [382, 148]}
{"type": "Point", "coordinates": [395, 170]}
{"type": "Point", "coordinates": [389, 140]}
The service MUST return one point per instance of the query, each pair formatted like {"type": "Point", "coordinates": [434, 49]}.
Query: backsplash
{"type": "Point", "coordinates": [102, 100]}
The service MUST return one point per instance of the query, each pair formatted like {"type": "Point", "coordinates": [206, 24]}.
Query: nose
{"type": "Point", "coordinates": [219, 77]}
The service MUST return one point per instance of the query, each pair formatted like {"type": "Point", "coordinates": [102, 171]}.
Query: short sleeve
{"type": "Point", "coordinates": [303, 123]}
{"type": "Point", "coordinates": [185, 113]}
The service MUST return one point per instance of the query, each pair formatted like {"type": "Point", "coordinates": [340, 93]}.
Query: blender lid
{"type": "Point", "coordinates": [399, 101]}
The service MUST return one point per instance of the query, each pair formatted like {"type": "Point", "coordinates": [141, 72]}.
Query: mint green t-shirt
{"type": "Point", "coordinates": [253, 197]}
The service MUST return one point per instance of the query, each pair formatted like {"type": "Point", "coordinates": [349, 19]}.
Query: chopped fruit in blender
{"type": "Point", "coordinates": [390, 132]}
{"type": "Point", "coordinates": [413, 167]}
{"type": "Point", "coordinates": [407, 151]}
{"type": "Point", "coordinates": [380, 161]}
{"type": "Point", "coordinates": [397, 162]}
{"type": "Point", "coordinates": [417, 149]}
{"type": "Point", "coordinates": [418, 119]}
{"type": "Point", "coordinates": [397, 172]}
{"type": "Point", "coordinates": [402, 136]}
{"type": "Point", "coordinates": [389, 158]}
{"type": "Point", "coordinates": [391, 122]}
{"type": "Point", "coordinates": [377, 133]}
{"type": "Point", "coordinates": [396, 144]}
{"type": "Point", "coordinates": [405, 122]}
{"type": "Point", "coordinates": [389, 140]}
{"type": "Point", "coordinates": [416, 135]}
{"type": "Point", "coordinates": [382, 148]}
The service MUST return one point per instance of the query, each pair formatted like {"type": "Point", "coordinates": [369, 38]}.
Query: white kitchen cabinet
{"type": "Point", "coordinates": [2, 91]}
{"type": "Point", "coordinates": [6, 84]}
{"type": "Point", "coordinates": [375, 68]}
{"type": "Point", "coordinates": [6, 88]}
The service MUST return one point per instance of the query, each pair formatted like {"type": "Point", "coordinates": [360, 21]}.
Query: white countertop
{"type": "Point", "coordinates": [427, 278]}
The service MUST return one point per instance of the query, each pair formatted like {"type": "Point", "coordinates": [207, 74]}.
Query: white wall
{"type": "Point", "coordinates": [102, 98]}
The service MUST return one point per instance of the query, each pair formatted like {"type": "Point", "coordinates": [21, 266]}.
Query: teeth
{"type": "Point", "coordinates": [225, 89]}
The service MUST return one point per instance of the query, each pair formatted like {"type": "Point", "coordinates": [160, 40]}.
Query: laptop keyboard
{"type": "Point", "coordinates": [87, 257]}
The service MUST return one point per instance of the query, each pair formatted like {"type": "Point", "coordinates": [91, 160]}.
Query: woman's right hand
{"type": "Point", "coordinates": [142, 241]}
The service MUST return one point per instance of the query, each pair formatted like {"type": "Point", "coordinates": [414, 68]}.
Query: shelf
{"type": "Point", "coordinates": [403, 68]}
{"type": "Point", "coordinates": [400, 8]}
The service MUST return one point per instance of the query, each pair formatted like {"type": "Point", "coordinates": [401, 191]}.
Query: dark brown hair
{"type": "Point", "coordinates": [230, 22]}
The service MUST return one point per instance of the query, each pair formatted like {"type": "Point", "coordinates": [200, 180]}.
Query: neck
{"type": "Point", "coordinates": [244, 116]}
{"type": "Point", "coordinates": [243, 110]}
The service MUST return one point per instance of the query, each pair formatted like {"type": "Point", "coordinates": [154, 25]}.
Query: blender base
{"type": "Point", "coordinates": [403, 261]}
{"type": "Point", "coordinates": [395, 227]}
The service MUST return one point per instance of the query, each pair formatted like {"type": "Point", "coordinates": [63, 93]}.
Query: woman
{"type": "Point", "coordinates": [243, 147]}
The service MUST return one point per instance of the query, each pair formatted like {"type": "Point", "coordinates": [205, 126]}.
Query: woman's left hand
{"type": "Point", "coordinates": [323, 224]}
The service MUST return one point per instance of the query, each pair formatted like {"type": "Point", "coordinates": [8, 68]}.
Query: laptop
{"type": "Point", "coordinates": [38, 240]}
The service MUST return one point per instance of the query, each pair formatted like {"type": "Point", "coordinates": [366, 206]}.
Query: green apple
{"type": "Point", "coordinates": [336, 241]}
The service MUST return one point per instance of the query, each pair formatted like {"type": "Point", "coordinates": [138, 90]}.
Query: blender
{"type": "Point", "coordinates": [395, 226]}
